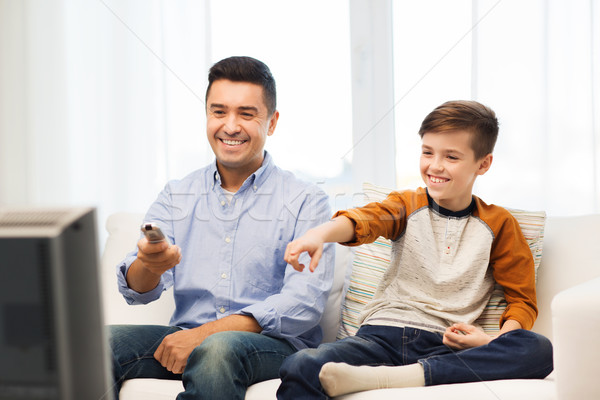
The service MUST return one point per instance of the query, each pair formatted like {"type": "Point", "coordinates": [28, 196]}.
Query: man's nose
{"type": "Point", "coordinates": [232, 125]}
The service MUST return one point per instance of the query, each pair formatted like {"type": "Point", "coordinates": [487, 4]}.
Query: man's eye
{"type": "Point", "coordinates": [247, 115]}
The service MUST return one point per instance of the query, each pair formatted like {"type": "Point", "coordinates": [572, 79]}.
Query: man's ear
{"type": "Point", "coordinates": [273, 122]}
{"type": "Point", "coordinates": [484, 164]}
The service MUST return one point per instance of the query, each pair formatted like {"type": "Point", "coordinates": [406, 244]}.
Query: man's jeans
{"type": "Point", "coordinates": [518, 354]}
{"type": "Point", "coordinates": [222, 367]}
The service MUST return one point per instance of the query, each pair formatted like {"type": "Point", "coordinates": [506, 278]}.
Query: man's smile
{"type": "Point", "coordinates": [232, 142]}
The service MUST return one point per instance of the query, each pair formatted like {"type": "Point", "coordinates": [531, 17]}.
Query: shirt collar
{"type": "Point", "coordinates": [256, 179]}
{"type": "Point", "coordinates": [448, 213]}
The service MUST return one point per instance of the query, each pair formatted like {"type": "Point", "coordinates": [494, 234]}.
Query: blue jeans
{"type": "Point", "coordinates": [222, 367]}
{"type": "Point", "coordinates": [518, 354]}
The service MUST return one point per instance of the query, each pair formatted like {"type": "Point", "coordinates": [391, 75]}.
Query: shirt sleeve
{"type": "Point", "coordinates": [513, 268]}
{"type": "Point", "coordinates": [386, 218]}
{"type": "Point", "coordinates": [294, 312]}
{"type": "Point", "coordinates": [160, 213]}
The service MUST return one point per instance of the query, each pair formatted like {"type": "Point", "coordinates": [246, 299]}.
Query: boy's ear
{"type": "Point", "coordinates": [484, 164]}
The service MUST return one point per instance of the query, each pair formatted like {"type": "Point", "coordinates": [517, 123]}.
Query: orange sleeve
{"type": "Point", "coordinates": [386, 218]}
{"type": "Point", "coordinates": [513, 268]}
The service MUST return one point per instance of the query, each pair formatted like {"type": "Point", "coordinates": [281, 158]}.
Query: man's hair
{"type": "Point", "coordinates": [246, 69]}
{"type": "Point", "coordinates": [465, 115]}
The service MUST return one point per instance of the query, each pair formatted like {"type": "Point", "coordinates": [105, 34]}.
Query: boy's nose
{"type": "Point", "coordinates": [437, 164]}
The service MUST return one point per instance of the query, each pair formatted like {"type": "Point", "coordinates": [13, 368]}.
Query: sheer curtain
{"type": "Point", "coordinates": [536, 63]}
{"type": "Point", "coordinates": [101, 101]}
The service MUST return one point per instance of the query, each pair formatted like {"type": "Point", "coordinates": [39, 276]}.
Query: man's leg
{"type": "Point", "coordinates": [133, 348]}
{"type": "Point", "coordinates": [518, 354]}
{"type": "Point", "coordinates": [226, 363]}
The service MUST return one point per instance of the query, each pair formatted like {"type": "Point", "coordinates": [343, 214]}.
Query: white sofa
{"type": "Point", "coordinates": [569, 314]}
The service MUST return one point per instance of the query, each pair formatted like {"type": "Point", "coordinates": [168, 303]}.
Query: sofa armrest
{"type": "Point", "coordinates": [576, 323]}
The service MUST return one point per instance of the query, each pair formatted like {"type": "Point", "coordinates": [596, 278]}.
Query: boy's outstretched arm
{"type": "Point", "coordinates": [340, 229]}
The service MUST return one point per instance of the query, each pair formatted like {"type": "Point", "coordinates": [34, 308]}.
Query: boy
{"type": "Point", "coordinates": [448, 248]}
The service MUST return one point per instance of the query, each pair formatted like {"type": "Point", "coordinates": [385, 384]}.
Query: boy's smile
{"type": "Point", "coordinates": [449, 168]}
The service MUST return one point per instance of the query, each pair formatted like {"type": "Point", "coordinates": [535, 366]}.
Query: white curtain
{"type": "Point", "coordinates": [536, 63]}
{"type": "Point", "coordinates": [100, 101]}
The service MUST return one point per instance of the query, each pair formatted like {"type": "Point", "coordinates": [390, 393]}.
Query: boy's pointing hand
{"type": "Point", "coordinates": [309, 243]}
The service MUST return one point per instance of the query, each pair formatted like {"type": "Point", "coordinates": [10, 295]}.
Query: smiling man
{"type": "Point", "coordinates": [239, 308]}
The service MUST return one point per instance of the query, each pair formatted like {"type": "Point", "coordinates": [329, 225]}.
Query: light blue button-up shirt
{"type": "Point", "coordinates": [232, 252]}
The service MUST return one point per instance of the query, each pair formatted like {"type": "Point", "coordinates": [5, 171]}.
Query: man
{"type": "Point", "coordinates": [240, 309]}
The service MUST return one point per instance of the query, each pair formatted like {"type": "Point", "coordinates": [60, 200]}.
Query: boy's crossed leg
{"type": "Point", "coordinates": [341, 378]}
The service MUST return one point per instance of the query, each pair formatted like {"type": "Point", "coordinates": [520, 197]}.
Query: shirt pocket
{"type": "Point", "coordinates": [267, 270]}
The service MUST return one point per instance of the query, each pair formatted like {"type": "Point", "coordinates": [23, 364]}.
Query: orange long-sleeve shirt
{"type": "Point", "coordinates": [444, 263]}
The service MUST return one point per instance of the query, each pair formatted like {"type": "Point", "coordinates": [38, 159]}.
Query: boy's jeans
{"type": "Point", "coordinates": [222, 367]}
{"type": "Point", "coordinates": [517, 354]}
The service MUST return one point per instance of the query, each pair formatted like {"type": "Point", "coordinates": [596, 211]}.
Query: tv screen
{"type": "Point", "coordinates": [52, 335]}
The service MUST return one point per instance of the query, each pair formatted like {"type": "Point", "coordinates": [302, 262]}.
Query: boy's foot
{"type": "Point", "coordinates": [341, 378]}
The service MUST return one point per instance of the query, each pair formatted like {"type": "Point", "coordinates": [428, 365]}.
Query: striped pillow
{"type": "Point", "coordinates": [371, 261]}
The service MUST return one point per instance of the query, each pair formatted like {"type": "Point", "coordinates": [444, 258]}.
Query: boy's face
{"type": "Point", "coordinates": [449, 168]}
{"type": "Point", "coordinates": [237, 124]}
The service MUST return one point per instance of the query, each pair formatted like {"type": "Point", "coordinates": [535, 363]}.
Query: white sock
{"type": "Point", "coordinates": [342, 378]}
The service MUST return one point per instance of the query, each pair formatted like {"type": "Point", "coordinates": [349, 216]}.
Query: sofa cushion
{"type": "Point", "coordinates": [371, 260]}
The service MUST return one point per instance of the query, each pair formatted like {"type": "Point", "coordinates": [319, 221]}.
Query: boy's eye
{"type": "Point", "coordinates": [453, 157]}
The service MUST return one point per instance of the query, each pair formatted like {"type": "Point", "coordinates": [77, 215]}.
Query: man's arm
{"type": "Point", "coordinates": [153, 260]}
{"type": "Point", "coordinates": [175, 349]}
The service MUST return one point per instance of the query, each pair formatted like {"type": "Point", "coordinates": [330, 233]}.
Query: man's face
{"type": "Point", "coordinates": [237, 125]}
{"type": "Point", "coordinates": [449, 168]}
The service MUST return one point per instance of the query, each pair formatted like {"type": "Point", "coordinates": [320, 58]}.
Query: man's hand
{"type": "Point", "coordinates": [175, 349]}
{"type": "Point", "coordinates": [158, 257]}
{"type": "Point", "coordinates": [153, 259]}
{"type": "Point", "coordinates": [309, 242]}
{"type": "Point", "coordinates": [464, 336]}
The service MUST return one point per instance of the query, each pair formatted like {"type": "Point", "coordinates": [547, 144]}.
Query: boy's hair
{"type": "Point", "coordinates": [246, 69]}
{"type": "Point", "coordinates": [465, 115]}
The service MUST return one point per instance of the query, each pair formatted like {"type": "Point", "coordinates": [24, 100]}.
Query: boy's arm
{"type": "Point", "coordinates": [514, 270]}
{"type": "Point", "coordinates": [340, 229]}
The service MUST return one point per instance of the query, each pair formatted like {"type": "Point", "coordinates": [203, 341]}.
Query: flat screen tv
{"type": "Point", "coordinates": [52, 336]}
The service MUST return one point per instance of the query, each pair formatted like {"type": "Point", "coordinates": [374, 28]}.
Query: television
{"type": "Point", "coordinates": [52, 335]}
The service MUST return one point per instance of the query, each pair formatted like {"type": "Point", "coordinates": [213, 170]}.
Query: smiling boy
{"type": "Point", "coordinates": [448, 250]}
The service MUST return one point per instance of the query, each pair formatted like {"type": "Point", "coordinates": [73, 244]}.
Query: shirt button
{"type": "Point", "coordinates": [222, 310]}
{"type": "Point", "coordinates": [222, 202]}
{"type": "Point", "coordinates": [255, 187]}
{"type": "Point", "coordinates": [224, 275]}
{"type": "Point", "coordinates": [227, 239]}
